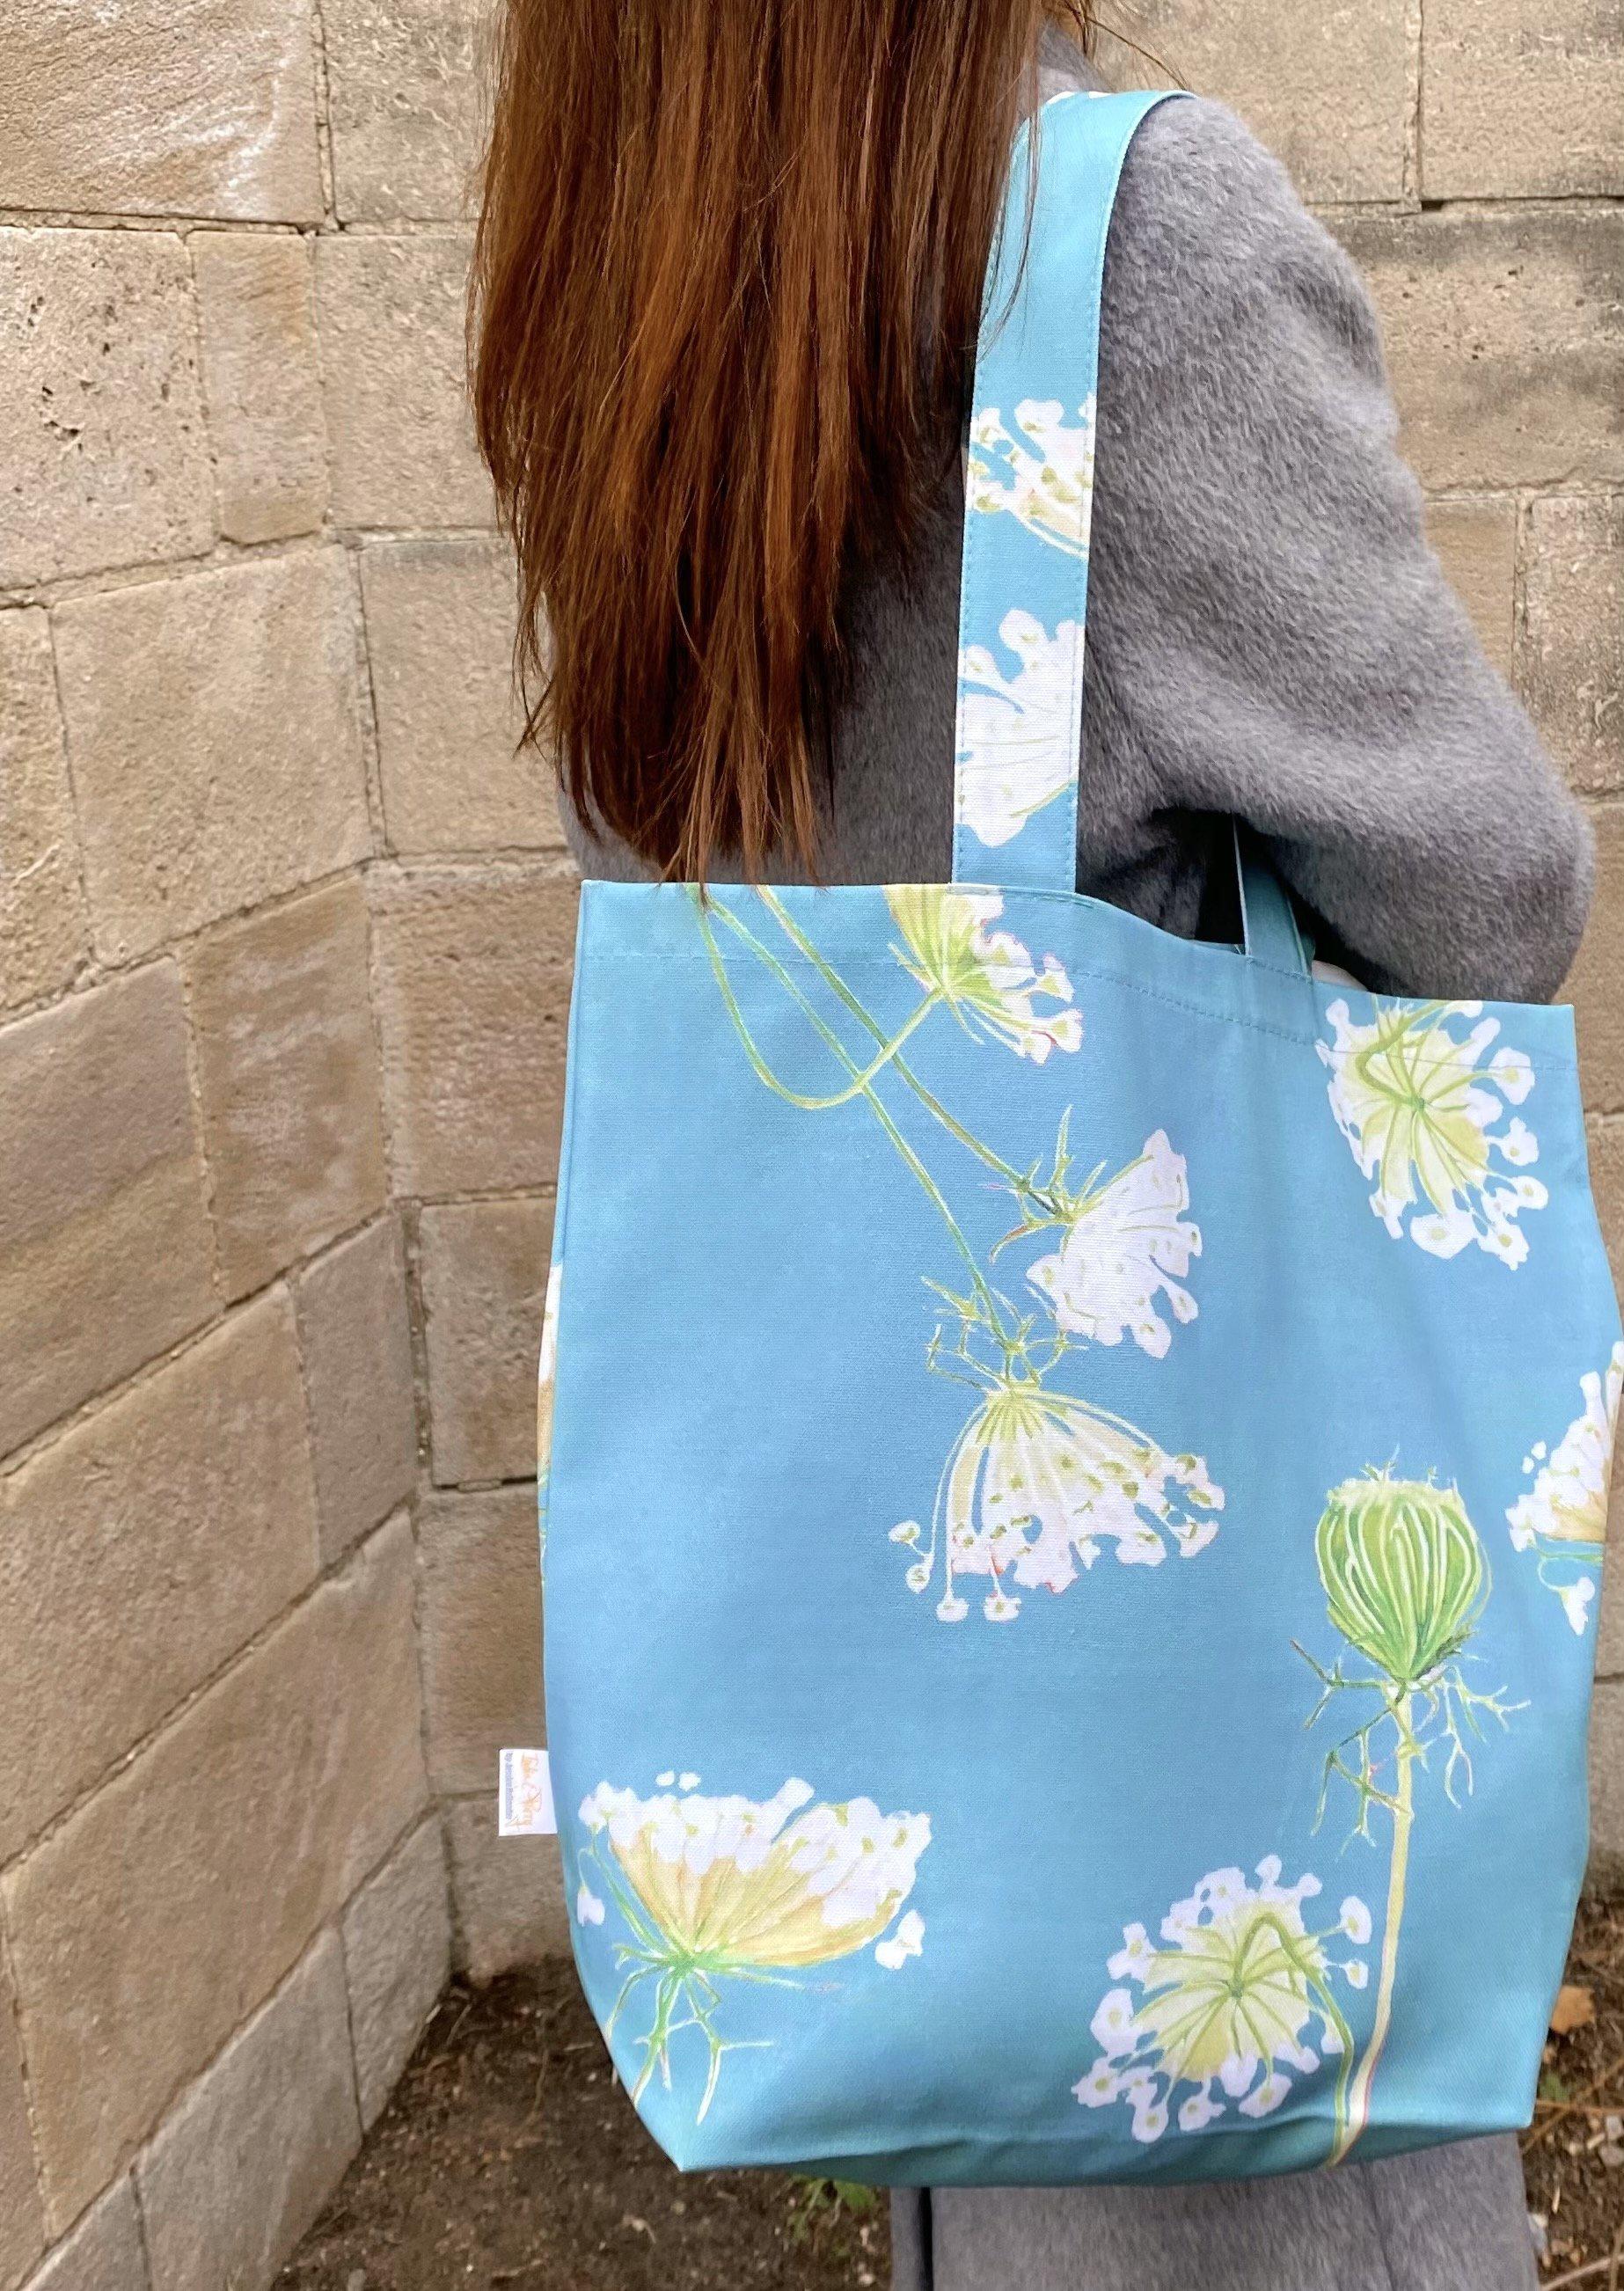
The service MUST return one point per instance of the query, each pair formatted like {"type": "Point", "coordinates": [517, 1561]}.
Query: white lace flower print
{"type": "Point", "coordinates": [1234, 2006]}
{"type": "Point", "coordinates": [1042, 473]}
{"type": "Point", "coordinates": [1126, 1245]}
{"type": "Point", "coordinates": [717, 1888]}
{"type": "Point", "coordinates": [1562, 1517]}
{"type": "Point", "coordinates": [1424, 1108]}
{"type": "Point", "coordinates": [1037, 1483]}
{"type": "Point", "coordinates": [986, 978]}
{"type": "Point", "coordinates": [1017, 734]}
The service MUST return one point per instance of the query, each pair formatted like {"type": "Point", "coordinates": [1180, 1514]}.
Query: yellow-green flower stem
{"type": "Point", "coordinates": [1398, 1872]}
{"type": "Point", "coordinates": [858, 1085]}
{"type": "Point", "coordinates": [861, 1087]}
{"type": "Point", "coordinates": [684, 1977]}
{"type": "Point", "coordinates": [1019, 1184]}
{"type": "Point", "coordinates": [1289, 1943]}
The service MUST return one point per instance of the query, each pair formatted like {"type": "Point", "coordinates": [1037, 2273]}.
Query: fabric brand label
{"type": "Point", "coordinates": [525, 1807]}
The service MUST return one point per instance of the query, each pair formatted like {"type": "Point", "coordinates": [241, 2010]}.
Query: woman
{"type": "Point", "coordinates": [728, 284]}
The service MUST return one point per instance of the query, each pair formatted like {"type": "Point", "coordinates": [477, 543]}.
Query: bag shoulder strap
{"type": "Point", "coordinates": [1028, 494]}
{"type": "Point", "coordinates": [1029, 490]}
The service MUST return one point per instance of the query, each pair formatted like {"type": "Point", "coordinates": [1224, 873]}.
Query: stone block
{"type": "Point", "coordinates": [43, 932]}
{"type": "Point", "coordinates": [1326, 88]}
{"type": "Point", "coordinates": [104, 2252]}
{"type": "Point", "coordinates": [140, 1550]}
{"type": "Point", "coordinates": [249, 2158]}
{"type": "Point", "coordinates": [1520, 103]}
{"type": "Point", "coordinates": [22, 2219]}
{"type": "Point", "coordinates": [1610, 1625]}
{"type": "Point", "coordinates": [1570, 663]}
{"type": "Point", "coordinates": [169, 1906]}
{"type": "Point", "coordinates": [405, 82]}
{"type": "Point", "coordinates": [1475, 542]}
{"type": "Point", "coordinates": [1596, 983]}
{"type": "Point", "coordinates": [261, 382]}
{"type": "Point", "coordinates": [479, 1611]}
{"type": "Point", "coordinates": [484, 1268]}
{"type": "Point", "coordinates": [509, 1892]}
{"type": "Point", "coordinates": [1607, 1783]}
{"type": "Point", "coordinates": [397, 1960]}
{"type": "Point", "coordinates": [215, 738]}
{"type": "Point", "coordinates": [394, 364]}
{"type": "Point", "coordinates": [104, 1242]}
{"type": "Point", "coordinates": [134, 107]}
{"type": "Point", "coordinates": [453, 777]}
{"type": "Point", "coordinates": [1605, 1138]}
{"type": "Point", "coordinates": [287, 1070]}
{"type": "Point", "coordinates": [473, 1000]}
{"type": "Point", "coordinates": [357, 1339]}
{"type": "Point", "coordinates": [107, 457]}
{"type": "Point", "coordinates": [1501, 333]}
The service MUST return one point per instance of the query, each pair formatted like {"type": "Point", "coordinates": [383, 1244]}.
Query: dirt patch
{"type": "Point", "coordinates": [509, 2157]}
{"type": "Point", "coordinates": [1574, 2154]}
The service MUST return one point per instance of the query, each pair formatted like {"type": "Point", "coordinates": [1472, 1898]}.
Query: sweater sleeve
{"type": "Point", "coordinates": [1270, 635]}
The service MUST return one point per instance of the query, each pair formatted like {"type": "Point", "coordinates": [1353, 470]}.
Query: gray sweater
{"type": "Point", "coordinates": [1269, 635]}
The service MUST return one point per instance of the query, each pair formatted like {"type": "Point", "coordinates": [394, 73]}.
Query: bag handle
{"type": "Point", "coordinates": [1024, 599]}
{"type": "Point", "coordinates": [1268, 919]}
{"type": "Point", "coordinates": [1028, 494]}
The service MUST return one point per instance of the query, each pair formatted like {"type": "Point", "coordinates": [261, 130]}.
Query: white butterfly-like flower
{"type": "Point", "coordinates": [1042, 473]}
{"type": "Point", "coordinates": [1017, 734]}
{"type": "Point", "coordinates": [1564, 1515]}
{"type": "Point", "coordinates": [1127, 1244]}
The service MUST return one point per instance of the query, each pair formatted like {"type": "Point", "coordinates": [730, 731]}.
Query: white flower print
{"type": "Point", "coordinates": [906, 1941]}
{"type": "Point", "coordinates": [1125, 1244]}
{"type": "Point", "coordinates": [1042, 473]}
{"type": "Point", "coordinates": [1038, 1481]}
{"type": "Point", "coordinates": [1577, 1598]}
{"type": "Point", "coordinates": [1036, 1484]}
{"type": "Point", "coordinates": [986, 978]}
{"type": "Point", "coordinates": [718, 1888]}
{"type": "Point", "coordinates": [1564, 1516]}
{"type": "Point", "coordinates": [1017, 734]}
{"type": "Point", "coordinates": [761, 1884]}
{"type": "Point", "coordinates": [1418, 1103]}
{"type": "Point", "coordinates": [1227, 2006]}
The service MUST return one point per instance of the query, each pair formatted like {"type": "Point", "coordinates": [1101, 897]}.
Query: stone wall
{"type": "Point", "coordinates": [284, 934]}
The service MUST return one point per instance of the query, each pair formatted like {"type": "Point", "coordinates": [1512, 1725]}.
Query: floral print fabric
{"type": "Point", "coordinates": [1227, 2005]}
{"type": "Point", "coordinates": [1424, 1101]}
{"type": "Point", "coordinates": [709, 1890]}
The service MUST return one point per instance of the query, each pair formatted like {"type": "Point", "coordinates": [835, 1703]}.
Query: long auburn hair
{"type": "Point", "coordinates": [726, 291]}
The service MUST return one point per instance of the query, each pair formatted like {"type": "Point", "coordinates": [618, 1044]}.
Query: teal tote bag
{"type": "Point", "coordinates": [1074, 1464]}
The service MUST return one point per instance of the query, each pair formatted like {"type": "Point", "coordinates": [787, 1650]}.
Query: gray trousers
{"type": "Point", "coordinates": [1449, 2219]}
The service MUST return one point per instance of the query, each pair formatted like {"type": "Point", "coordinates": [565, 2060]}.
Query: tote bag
{"type": "Point", "coordinates": [1074, 1466]}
